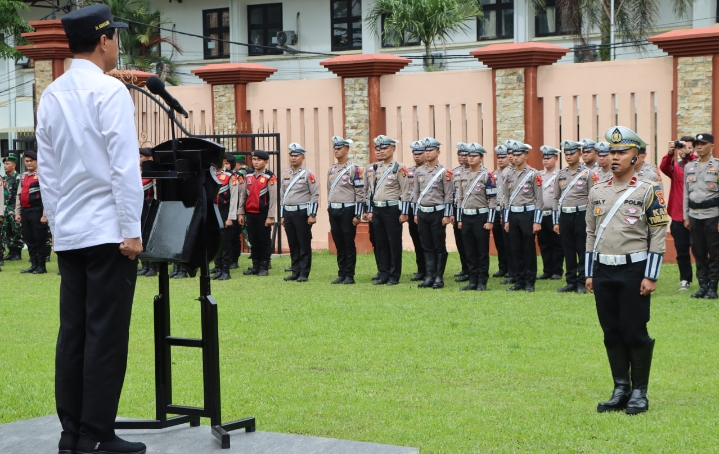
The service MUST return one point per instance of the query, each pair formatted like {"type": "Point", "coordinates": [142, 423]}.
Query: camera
{"type": "Point", "coordinates": [678, 144]}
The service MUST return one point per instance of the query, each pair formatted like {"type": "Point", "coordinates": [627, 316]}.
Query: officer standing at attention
{"type": "Point", "coordinates": [550, 244]}
{"type": "Point", "coordinates": [646, 171]}
{"type": "Point", "coordinates": [701, 214]}
{"type": "Point", "coordinates": [477, 202]}
{"type": "Point", "coordinates": [434, 195]}
{"type": "Point", "coordinates": [525, 205]}
{"type": "Point", "coordinates": [148, 269]}
{"type": "Point", "coordinates": [462, 158]}
{"type": "Point", "coordinates": [605, 163]}
{"type": "Point", "coordinates": [626, 230]}
{"type": "Point", "coordinates": [11, 230]}
{"type": "Point", "coordinates": [256, 209]}
{"type": "Point", "coordinates": [369, 196]}
{"type": "Point", "coordinates": [501, 237]}
{"type": "Point", "coordinates": [299, 200]}
{"type": "Point", "coordinates": [29, 211]}
{"type": "Point", "coordinates": [419, 158]}
{"type": "Point", "coordinates": [226, 200]}
{"type": "Point", "coordinates": [389, 210]}
{"type": "Point", "coordinates": [2, 210]}
{"type": "Point", "coordinates": [569, 206]}
{"type": "Point", "coordinates": [589, 154]}
{"type": "Point", "coordinates": [346, 200]}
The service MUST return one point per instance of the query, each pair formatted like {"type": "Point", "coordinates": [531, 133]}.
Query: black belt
{"type": "Point", "coordinates": [711, 203]}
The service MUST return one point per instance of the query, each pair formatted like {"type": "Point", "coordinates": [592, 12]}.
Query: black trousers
{"type": "Point", "coordinates": [705, 247]}
{"type": "Point", "coordinates": [432, 233]}
{"type": "Point", "coordinates": [373, 241]}
{"type": "Point", "coordinates": [388, 236]}
{"type": "Point", "coordinates": [260, 236]}
{"type": "Point", "coordinates": [499, 234]}
{"type": "Point", "coordinates": [459, 242]}
{"type": "Point", "coordinates": [96, 292]}
{"type": "Point", "coordinates": [573, 230]}
{"type": "Point", "coordinates": [225, 257]}
{"type": "Point", "coordinates": [418, 252]}
{"type": "Point", "coordinates": [476, 242]}
{"type": "Point", "coordinates": [623, 313]}
{"type": "Point", "coordinates": [299, 237]}
{"type": "Point", "coordinates": [550, 244]}
{"type": "Point", "coordinates": [235, 241]}
{"type": "Point", "coordinates": [524, 251]}
{"type": "Point", "coordinates": [344, 233]}
{"type": "Point", "coordinates": [34, 233]}
{"type": "Point", "coordinates": [682, 243]}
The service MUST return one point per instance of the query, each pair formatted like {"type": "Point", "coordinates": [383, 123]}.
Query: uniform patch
{"type": "Point", "coordinates": [448, 176]}
{"type": "Point", "coordinates": [262, 179]}
{"type": "Point", "coordinates": [562, 183]}
{"type": "Point", "coordinates": [713, 169]}
{"type": "Point", "coordinates": [359, 172]}
{"type": "Point", "coordinates": [660, 195]}
{"type": "Point", "coordinates": [272, 180]}
{"type": "Point", "coordinates": [690, 178]}
{"type": "Point", "coordinates": [312, 178]}
{"type": "Point", "coordinates": [632, 211]}
{"type": "Point", "coordinates": [595, 178]}
{"type": "Point", "coordinates": [632, 221]}
{"type": "Point", "coordinates": [711, 186]}
{"type": "Point", "coordinates": [421, 179]}
{"type": "Point", "coordinates": [539, 180]}
{"type": "Point", "coordinates": [598, 210]}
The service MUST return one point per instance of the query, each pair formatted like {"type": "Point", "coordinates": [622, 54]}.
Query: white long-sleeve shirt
{"type": "Point", "coordinates": [88, 162]}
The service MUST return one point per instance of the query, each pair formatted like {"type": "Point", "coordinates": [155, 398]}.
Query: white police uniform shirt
{"type": "Point", "coordinates": [87, 150]}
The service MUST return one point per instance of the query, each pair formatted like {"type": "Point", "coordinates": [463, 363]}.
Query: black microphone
{"type": "Point", "coordinates": [157, 87]}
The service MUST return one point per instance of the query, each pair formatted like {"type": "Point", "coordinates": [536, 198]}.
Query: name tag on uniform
{"type": "Point", "coordinates": [262, 179]}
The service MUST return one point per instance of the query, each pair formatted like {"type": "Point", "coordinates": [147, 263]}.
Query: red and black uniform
{"type": "Point", "coordinates": [148, 188]}
{"type": "Point", "coordinates": [258, 201]}
{"type": "Point", "coordinates": [30, 207]}
{"type": "Point", "coordinates": [223, 201]}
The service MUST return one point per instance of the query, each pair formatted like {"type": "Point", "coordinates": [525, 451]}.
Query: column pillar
{"type": "Point", "coordinates": [518, 112]}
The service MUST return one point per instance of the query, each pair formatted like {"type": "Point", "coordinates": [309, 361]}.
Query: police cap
{"type": "Point", "coordinates": [621, 138]}
{"type": "Point", "coordinates": [548, 152]}
{"type": "Point", "coordinates": [417, 147]}
{"type": "Point", "coordinates": [501, 151]}
{"type": "Point", "coordinates": [340, 142]}
{"type": "Point", "coordinates": [602, 148]}
{"type": "Point", "coordinates": [296, 149]}
{"type": "Point", "coordinates": [571, 146]}
{"type": "Point", "coordinates": [462, 148]}
{"type": "Point", "coordinates": [89, 22]}
{"type": "Point", "coordinates": [516, 147]}
{"type": "Point", "coordinates": [431, 142]}
{"type": "Point", "coordinates": [32, 154]}
{"type": "Point", "coordinates": [705, 137]}
{"type": "Point", "coordinates": [382, 140]}
{"type": "Point", "coordinates": [588, 143]}
{"type": "Point", "coordinates": [475, 149]}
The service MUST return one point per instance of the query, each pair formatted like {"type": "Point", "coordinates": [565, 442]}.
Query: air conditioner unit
{"type": "Point", "coordinates": [586, 53]}
{"type": "Point", "coordinates": [286, 38]}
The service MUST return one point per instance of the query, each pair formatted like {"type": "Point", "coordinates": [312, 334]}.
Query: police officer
{"type": "Point", "coordinates": [626, 231]}
{"type": "Point", "coordinates": [523, 212]}
{"type": "Point", "coordinates": [226, 200]}
{"type": "Point", "coordinates": [701, 214]}
{"type": "Point", "coordinates": [433, 195]}
{"type": "Point", "coordinates": [501, 237]}
{"type": "Point", "coordinates": [256, 209]}
{"type": "Point", "coordinates": [148, 269]}
{"type": "Point", "coordinates": [418, 156]}
{"type": "Point", "coordinates": [29, 211]}
{"type": "Point", "coordinates": [11, 229]}
{"type": "Point", "coordinates": [389, 209]}
{"type": "Point", "coordinates": [569, 213]}
{"type": "Point", "coordinates": [2, 211]}
{"type": "Point", "coordinates": [589, 154]}
{"type": "Point", "coordinates": [477, 202]}
{"type": "Point", "coordinates": [462, 158]}
{"type": "Point", "coordinates": [346, 200]}
{"type": "Point", "coordinates": [550, 244]}
{"type": "Point", "coordinates": [240, 171]}
{"type": "Point", "coordinates": [299, 199]}
{"type": "Point", "coordinates": [369, 196]}
{"type": "Point", "coordinates": [605, 163]}
{"type": "Point", "coordinates": [647, 171]}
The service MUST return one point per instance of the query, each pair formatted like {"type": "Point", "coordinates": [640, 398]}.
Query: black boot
{"type": "Point", "coordinates": [418, 276]}
{"type": "Point", "coordinates": [234, 265]}
{"type": "Point", "coordinates": [174, 272]}
{"type": "Point", "coordinates": [703, 288]}
{"type": "Point", "coordinates": [254, 269]}
{"type": "Point", "coordinates": [641, 360]}
{"type": "Point", "coordinates": [429, 276]}
{"type": "Point", "coordinates": [567, 288]}
{"type": "Point", "coordinates": [619, 364]}
{"type": "Point", "coordinates": [264, 266]}
{"type": "Point", "coordinates": [33, 267]}
{"type": "Point", "coordinates": [181, 273]}
{"type": "Point", "coordinates": [152, 270]}
{"type": "Point", "coordinates": [40, 269]}
{"type": "Point", "coordinates": [144, 268]}
{"type": "Point", "coordinates": [711, 293]}
{"type": "Point", "coordinates": [472, 284]}
{"type": "Point", "coordinates": [441, 265]}
{"type": "Point", "coordinates": [14, 254]}
{"type": "Point", "coordinates": [225, 274]}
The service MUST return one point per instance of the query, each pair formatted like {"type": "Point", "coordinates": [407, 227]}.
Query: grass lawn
{"type": "Point", "coordinates": [441, 370]}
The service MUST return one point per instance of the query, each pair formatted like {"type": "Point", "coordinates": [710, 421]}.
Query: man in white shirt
{"type": "Point", "coordinates": [93, 198]}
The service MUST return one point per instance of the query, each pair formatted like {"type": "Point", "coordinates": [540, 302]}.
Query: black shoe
{"type": "Point", "coordinates": [151, 272]}
{"type": "Point", "coordinates": [555, 277]}
{"type": "Point", "coordinates": [264, 266]}
{"type": "Point", "coordinates": [117, 446]}
{"type": "Point", "coordinates": [224, 276]}
{"type": "Point", "coordinates": [215, 270]}
{"type": "Point", "coordinates": [375, 277]}
{"type": "Point", "coordinates": [13, 256]}
{"type": "Point", "coordinates": [567, 288]}
{"type": "Point", "coordinates": [67, 443]}
{"type": "Point", "coordinates": [142, 271]}
{"type": "Point", "coordinates": [463, 278]}
{"type": "Point", "coordinates": [711, 293]}
{"type": "Point", "coordinates": [703, 288]}
{"type": "Point", "coordinates": [349, 280]}
{"type": "Point", "coordinates": [440, 266]}
{"type": "Point", "coordinates": [181, 273]}
{"type": "Point", "coordinates": [380, 281]}
{"type": "Point", "coordinates": [529, 288]}
{"type": "Point", "coordinates": [339, 280]}
{"type": "Point", "coordinates": [302, 279]}
{"type": "Point", "coordinates": [638, 402]}
{"type": "Point", "coordinates": [216, 276]}
{"type": "Point", "coordinates": [461, 273]}
{"type": "Point", "coordinates": [469, 287]}
{"type": "Point", "coordinates": [29, 270]}
{"type": "Point", "coordinates": [499, 273]}
{"type": "Point", "coordinates": [250, 271]}
{"type": "Point", "coordinates": [641, 364]}
{"type": "Point", "coordinates": [618, 401]}
{"type": "Point", "coordinates": [293, 277]}
{"type": "Point", "coordinates": [509, 280]}
{"type": "Point", "coordinates": [543, 276]}
{"type": "Point", "coordinates": [234, 265]}
{"type": "Point", "coordinates": [392, 282]}
{"type": "Point", "coordinates": [417, 277]}
{"type": "Point", "coordinates": [582, 290]}
{"type": "Point", "coordinates": [428, 282]}
{"type": "Point", "coordinates": [481, 287]}
{"type": "Point", "coordinates": [515, 288]}
{"type": "Point", "coordinates": [288, 270]}
{"type": "Point", "coordinates": [40, 269]}
{"type": "Point", "coordinates": [175, 270]}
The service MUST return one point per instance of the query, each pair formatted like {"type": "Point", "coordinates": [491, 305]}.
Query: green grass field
{"type": "Point", "coordinates": [441, 370]}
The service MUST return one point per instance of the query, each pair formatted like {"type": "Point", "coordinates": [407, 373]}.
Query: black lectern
{"type": "Point", "coordinates": [183, 226]}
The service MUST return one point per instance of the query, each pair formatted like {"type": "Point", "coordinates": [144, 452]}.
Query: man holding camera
{"type": "Point", "coordinates": [681, 152]}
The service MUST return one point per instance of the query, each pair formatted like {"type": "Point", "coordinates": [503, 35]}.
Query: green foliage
{"type": "Point", "coordinates": [440, 370]}
{"type": "Point", "coordinates": [427, 21]}
{"type": "Point", "coordinates": [12, 24]}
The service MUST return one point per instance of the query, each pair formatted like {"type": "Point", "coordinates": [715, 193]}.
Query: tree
{"type": "Point", "coordinates": [12, 24]}
{"type": "Point", "coordinates": [427, 21]}
{"type": "Point", "coordinates": [634, 20]}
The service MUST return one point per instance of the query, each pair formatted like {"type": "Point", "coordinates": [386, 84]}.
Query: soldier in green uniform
{"type": "Point", "coordinates": [11, 237]}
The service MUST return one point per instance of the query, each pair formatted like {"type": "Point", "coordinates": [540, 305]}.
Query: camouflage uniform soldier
{"type": "Point", "coordinates": [11, 235]}
{"type": "Point", "coordinates": [626, 233]}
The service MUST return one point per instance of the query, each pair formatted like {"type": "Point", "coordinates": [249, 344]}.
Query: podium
{"type": "Point", "coordinates": [183, 226]}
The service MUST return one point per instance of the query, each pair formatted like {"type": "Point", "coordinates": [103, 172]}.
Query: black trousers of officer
{"type": "Point", "coordinates": [573, 230]}
{"type": "Point", "coordinates": [388, 235]}
{"type": "Point", "coordinates": [459, 242]}
{"type": "Point", "coordinates": [260, 236]}
{"type": "Point", "coordinates": [96, 292]}
{"type": "Point", "coordinates": [550, 244]}
{"type": "Point", "coordinates": [705, 247]}
{"type": "Point", "coordinates": [344, 233]}
{"type": "Point", "coordinates": [34, 233]}
{"type": "Point", "coordinates": [682, 243]}
{"type": "Point", "coordinates": [476, 242]}
{"type": "Point", "coordinates": [235, 241]}
{"type": "Point", "coordinates": [418, 252]}
{"type": "Point", "coordinates": [523, 247]}
{"type": "Point", "coordinates": [623, 313]}
{"type": "Point", "coordinates": [225, 257]}
{"type": "Point", "coordinates": [499, 243]}
{"type": "Point", "coordinates": [299, 237]}
{"type": "Point", "coordinates": [432, 232]}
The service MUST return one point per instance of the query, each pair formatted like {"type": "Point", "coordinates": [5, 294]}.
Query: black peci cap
{"type": "Point", "coordinates": [32, 154]}
{"type": "Point", "coordinates": [146, 152]}
{"type": "Point", "coordinates": [261, 154]}
{"type": "Point", "coordinates": [705, 137]}
{"type": "Point", "coordinates": [89, 22]}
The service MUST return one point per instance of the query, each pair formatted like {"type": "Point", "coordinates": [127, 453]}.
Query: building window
{"type": "Point", "coordinates": [388, 41]}
{"type": "Point", "coordinates": [263, 24]}
{"type": "Point", "coordinates": [216, 24]}
{"type": "Point", "coordinates": [549, 22]}
{"type": "Point", "coordinates": [498, 22]}
{"type": "Point", "coordinates": [346, 24]}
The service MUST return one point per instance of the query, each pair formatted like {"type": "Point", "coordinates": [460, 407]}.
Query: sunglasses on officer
{"type": "Point", "coordinates": [381, 147]}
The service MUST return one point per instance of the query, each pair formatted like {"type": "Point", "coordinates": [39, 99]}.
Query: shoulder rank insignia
{"type": "Point", "coordinates": [633, 181]}
{"type": "Point", "coordinates": [403, 171]}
